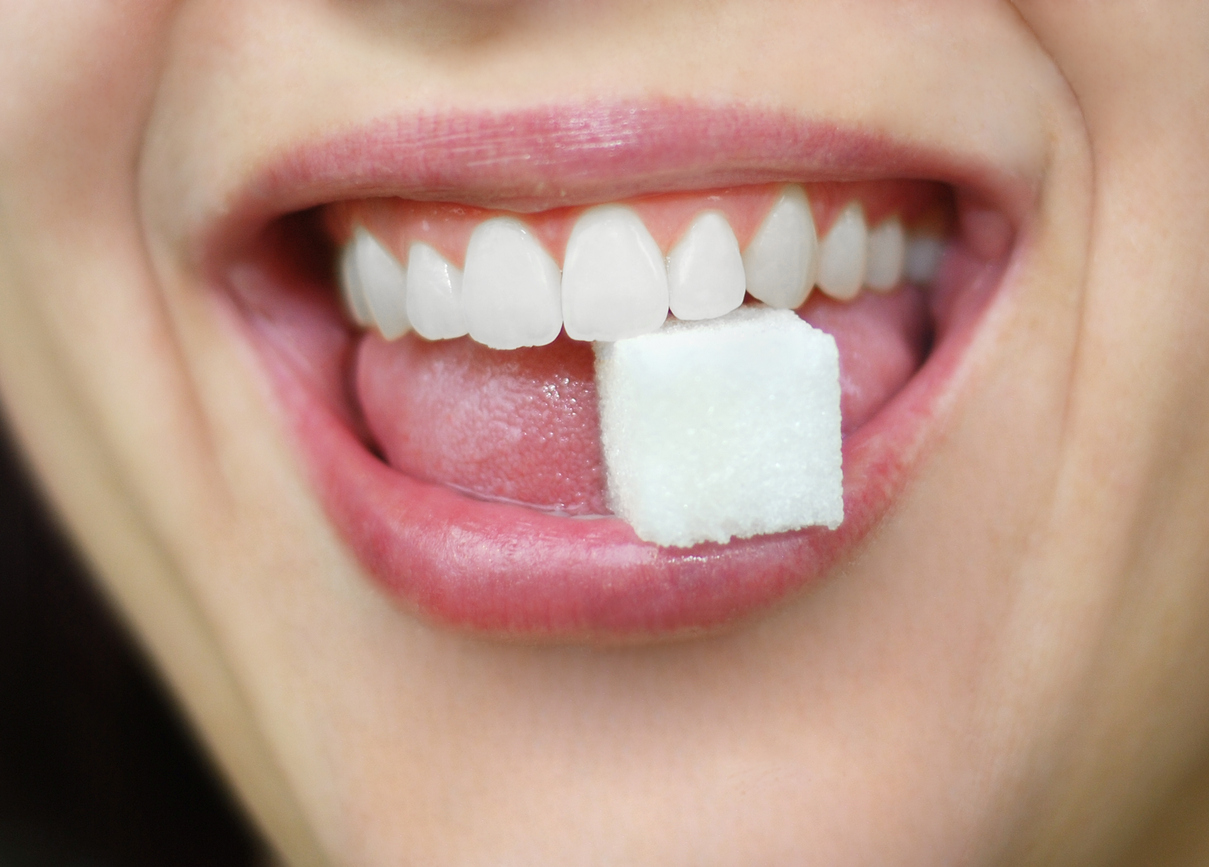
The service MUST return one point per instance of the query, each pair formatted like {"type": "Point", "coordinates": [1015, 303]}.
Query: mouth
{"type": "Point", "coordinates": [455, 445]}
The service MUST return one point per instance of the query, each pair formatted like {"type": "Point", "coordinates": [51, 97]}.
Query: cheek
{"type": "Point", "coordinates": [79, 80]}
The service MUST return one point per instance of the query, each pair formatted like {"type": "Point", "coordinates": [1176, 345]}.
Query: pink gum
{"type": "Point", "coordinates": [447, 227]}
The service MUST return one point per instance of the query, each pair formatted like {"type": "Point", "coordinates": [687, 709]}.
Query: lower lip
{"type": "Point", "coordinates": [509, 571]}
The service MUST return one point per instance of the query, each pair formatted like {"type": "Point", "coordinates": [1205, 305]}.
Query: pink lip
{"type": "Point", "coordinates": [565, 155]}
{"type": "Point", "coordinates": [507, 570]}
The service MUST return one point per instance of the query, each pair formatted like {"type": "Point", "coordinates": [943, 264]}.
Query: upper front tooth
{"type": "Point", "coordinates": [780, 260]}
{"type": "Point", "coordinates": [510, 291]}
{"type": "Point", "coordinates": [887, 249]}
{"type": "Point", "coordinates": [434, 294]}
{"type": "Point", "coordinates": [384, 282]}
{"type": "Point", "coordinates": [350, 287]}
{"type": "Point", "coordinates": [614, 277]}
{"type": "Point", "coordinates": [842, 254]}
{"type": "Point", "coordinates": [705, 270]}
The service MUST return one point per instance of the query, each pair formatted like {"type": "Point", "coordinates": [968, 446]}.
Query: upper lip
{"type": "Point", "coordinates": [549, 156]}
{"type": "Point", "coordinates": [562, 155]}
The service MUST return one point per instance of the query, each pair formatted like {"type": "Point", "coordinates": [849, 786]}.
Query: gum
{"type": "Point", "coordinates": [447, 227]}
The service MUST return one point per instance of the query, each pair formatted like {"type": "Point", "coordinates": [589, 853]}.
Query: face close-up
{"type": "Point", "coordinates": [596, 432]}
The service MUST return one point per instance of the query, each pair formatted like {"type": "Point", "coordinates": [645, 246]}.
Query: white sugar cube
{"type": "Point", "coordinates": [722, 428]}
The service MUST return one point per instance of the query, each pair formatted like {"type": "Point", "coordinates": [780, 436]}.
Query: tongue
{"type": "Point", "coordinates": [521, 425]}
{"type": "Point", "coordinates": [515, 424]}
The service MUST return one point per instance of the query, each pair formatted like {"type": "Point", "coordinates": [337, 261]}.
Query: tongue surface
{"type": "Point", "coordinates": [522, 425]}
{"type": "Point", "coordinates": [515, 424]}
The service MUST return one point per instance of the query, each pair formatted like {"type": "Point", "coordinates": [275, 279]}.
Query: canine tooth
{"type": "Point", "coordinates": [705, 270]}
{"type": "Point", "coordinates": [350, 288]}
{"type": "Point", "coordinates": [922, 260]}
{"type": "Point", "coordinates": [384, 282]}
{"type": "Point", "coordinates": [887, 248]}
{"type": "Point", "coordinates": [510, 292]}
{"type": "Point", "coordinates": [842, 254]}
{"type": "Point", "coordinates": [780, 261]}
{"type": "Point", "coordinates": [434, 294]}
{"type": "Point", "coordinates": [614, 278]}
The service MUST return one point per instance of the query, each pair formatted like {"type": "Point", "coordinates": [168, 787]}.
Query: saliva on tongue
{"type": "Point", "coordinates": [522, 425]}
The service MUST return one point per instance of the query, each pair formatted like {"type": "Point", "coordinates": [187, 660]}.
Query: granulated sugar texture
{"type": "Point", "coordinates": [722, 428]}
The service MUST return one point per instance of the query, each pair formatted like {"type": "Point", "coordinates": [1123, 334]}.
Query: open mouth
{"type": "Point", "coordinates": [449, 414]}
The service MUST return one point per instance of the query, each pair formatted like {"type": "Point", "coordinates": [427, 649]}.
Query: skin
{"type": "Point", "coordinates": [1009, 670]}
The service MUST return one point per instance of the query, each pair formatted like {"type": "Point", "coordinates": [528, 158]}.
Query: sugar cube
{"type": "Point", "coordinates": [722, 428]}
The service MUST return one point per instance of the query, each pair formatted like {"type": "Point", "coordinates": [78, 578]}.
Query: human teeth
{"type": "Point", "coordinates": [615, 282]}
{"type": "Point", "coordinates": [922, 259]}
{"type": "Point", "coordinates": [887, 248]}
{"type": "Point", "coordinates": [510, 291]}
{"type": "Point", "coordinates": [350, 288]}
{"type": "Point", "coordinates": [384, 282]}
{"type": "Point", "coordinates": [614, 279]}
{"type": "Point", "coordinates": [434, 294]}
{"type": "Point", "coordinates": [781, 258]}
{"type": "Point", "coordinates": [842, 254]}
{"type": "Point", "coordinates": [705, 270]}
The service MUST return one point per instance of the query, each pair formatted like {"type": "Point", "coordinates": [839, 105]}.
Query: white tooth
{"type": "Point", "coordinates": [350, 287]}
{"type": "Point", "coordinates": [434, 294]}
{"type": "Point", "coordinates": [510, 292]}
{"type": "Point", "coordinates": [842, 254]}
{"type": "Point", "coordinates": [705, 271]}
{"type": "Point", "coordinates": [384, 282]}
{"type": "Point", "coordinates": [614, 277]}
{"type": "Point", "coordinates": [781, 258]}
{"type": "Point", "coordinates": [924, 253]}
{"type": "Point", "coordinates": [887, 249]}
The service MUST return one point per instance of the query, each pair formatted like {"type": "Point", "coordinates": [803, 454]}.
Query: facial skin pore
{"type": "Point", "coordinates": [1008, 668]}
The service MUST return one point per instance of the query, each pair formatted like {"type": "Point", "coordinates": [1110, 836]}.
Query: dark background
{"type": "Point", "coordinates": [96, 767]}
